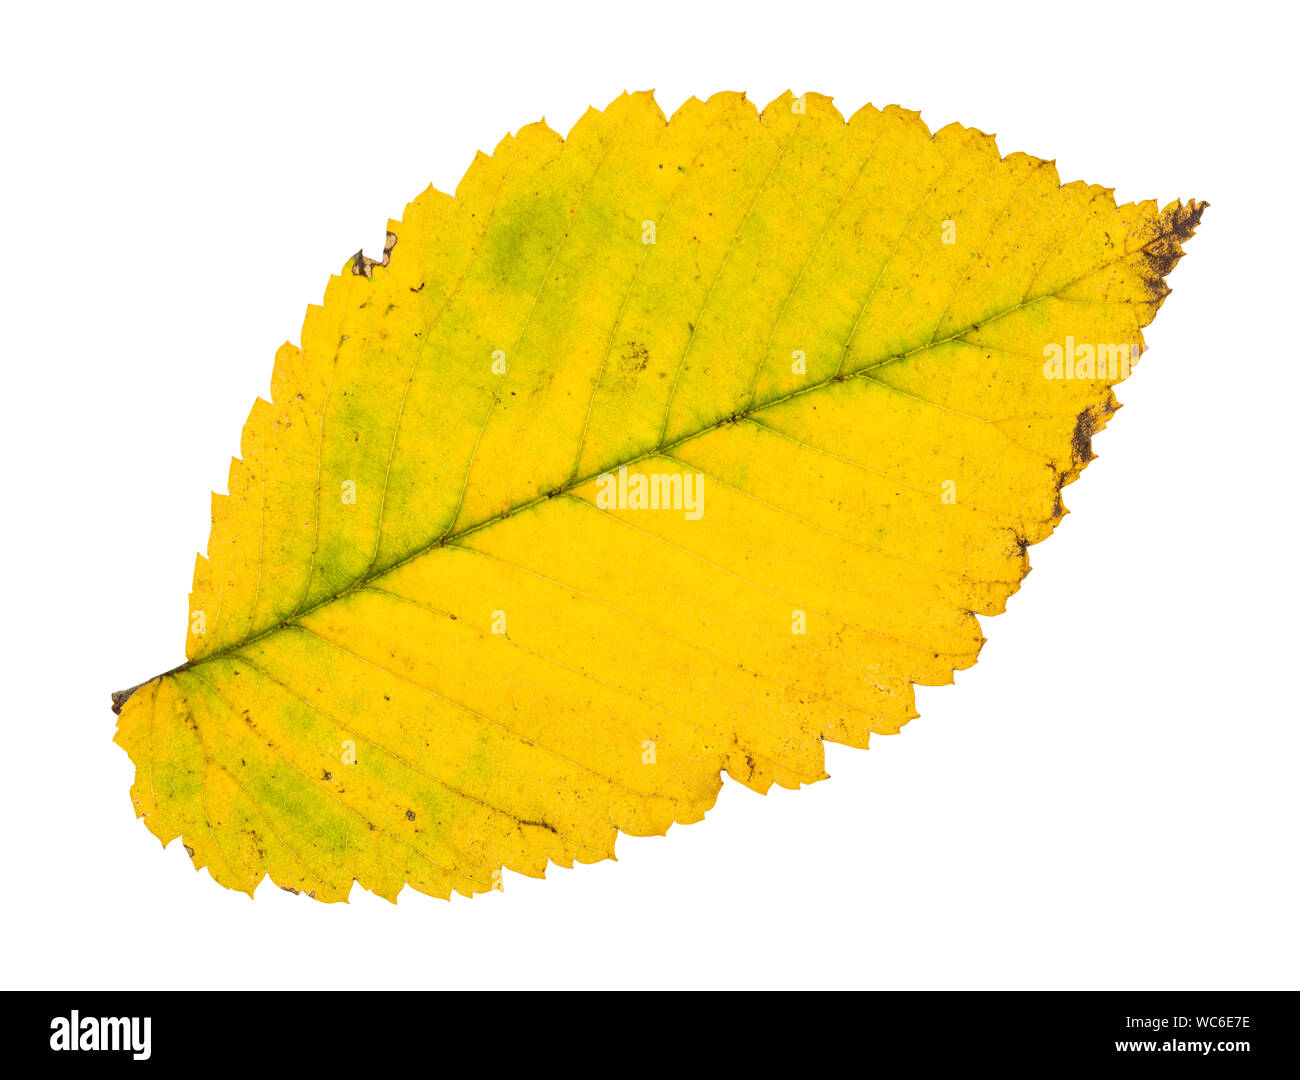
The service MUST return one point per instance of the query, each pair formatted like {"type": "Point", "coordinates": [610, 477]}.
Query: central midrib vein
{"type": "Point", "coordinates": [450, 539]}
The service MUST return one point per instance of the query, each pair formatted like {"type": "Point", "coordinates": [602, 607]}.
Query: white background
{"type": "Point", "coordinates": [1108, 799]}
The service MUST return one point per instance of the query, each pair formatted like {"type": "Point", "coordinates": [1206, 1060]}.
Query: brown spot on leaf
{"type": "Point", "coordinates": [1081, 441]}
{"type": "Point", "coordinates": [1161, 254]}
{"type": "Point", "coordinates": [365, 266]}
{"type": "Point", "coordinates": [1184, 218]}
{"type": "Point", "coordinates": [634, 358]}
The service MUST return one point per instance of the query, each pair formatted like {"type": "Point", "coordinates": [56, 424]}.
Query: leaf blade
{"type": "Point", "coordinates": [790, 234]}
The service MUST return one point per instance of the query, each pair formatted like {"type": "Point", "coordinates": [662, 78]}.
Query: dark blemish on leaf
{"type": "Point", "coordinates": [417, 288]}
{"type": "Point", "coordinates": [365, 266]}
{"type": "Point", "coordinates": [1161, 255]}
{"type": "Point", "coordinates": [410, 815]}
{"type": "Point", "coordinates": [189, 850]}
{"type": "Point", "coordinates": [325, 774]}
{"type": "Point", "coordinates": [1081, 441]}
{"type": "Point", "coordinates": [635, 358]}
{"type": "Point", "coordinates": [289, 888]}
{"type": "Point", "coordinates": [1185, 218]}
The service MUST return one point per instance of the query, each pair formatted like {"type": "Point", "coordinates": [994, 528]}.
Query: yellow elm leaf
{"type": "Point", "coordinates": [668, 448]}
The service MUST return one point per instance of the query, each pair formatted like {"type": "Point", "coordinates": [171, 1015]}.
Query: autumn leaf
{"type": "Point", "coordinates": [660, 450]}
